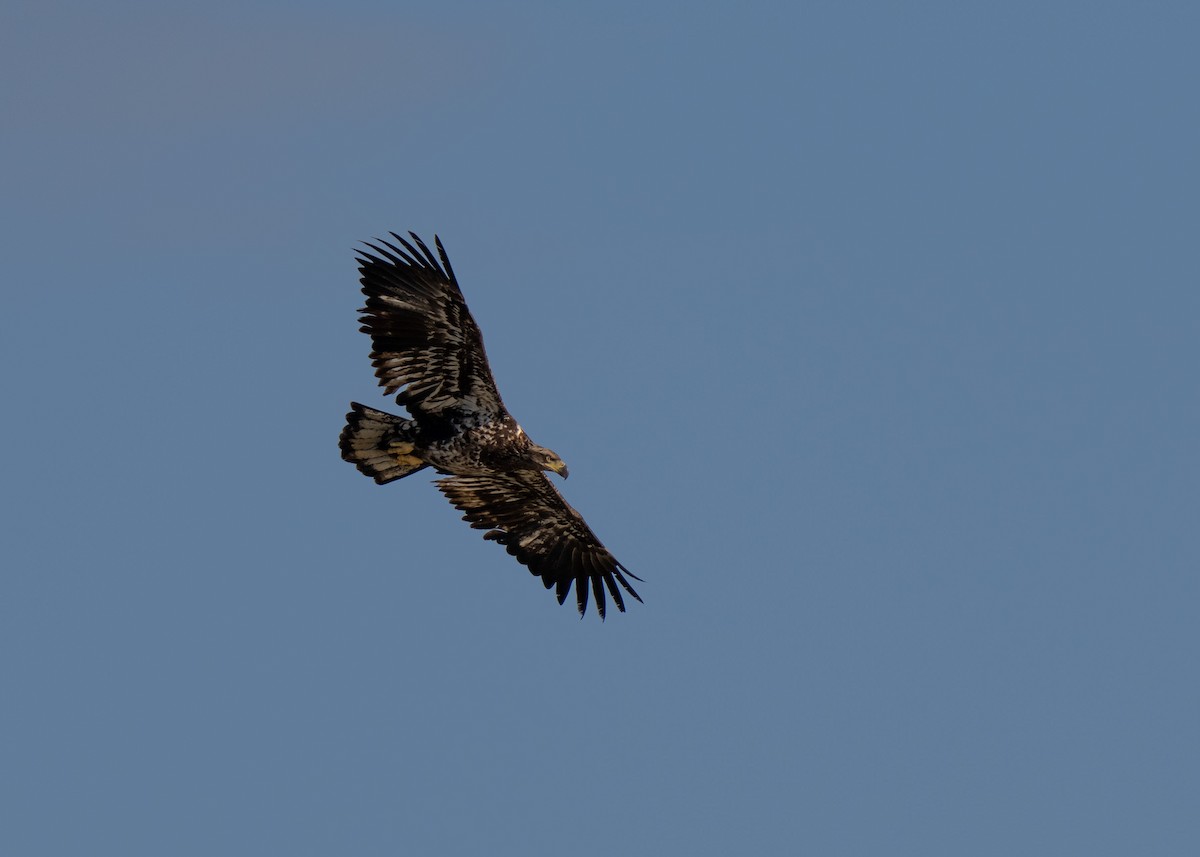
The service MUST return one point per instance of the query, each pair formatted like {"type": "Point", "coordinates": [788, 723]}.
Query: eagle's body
{"type": "Point", "coordinates": [480, 449]}
{"type": "Point", "coordinates": [428, 350]}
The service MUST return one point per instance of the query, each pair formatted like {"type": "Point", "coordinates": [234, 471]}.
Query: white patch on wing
{"type": "Point", "coordinates": [531, 539]}
{"type": "Point", "coordinates": [396, 301]}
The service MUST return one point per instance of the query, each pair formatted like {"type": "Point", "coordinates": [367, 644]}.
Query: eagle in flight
{"type": "Point", "coordinates": [427, 349]}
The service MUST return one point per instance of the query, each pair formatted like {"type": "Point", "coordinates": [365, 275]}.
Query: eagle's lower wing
{"type": "Point", "coordinates": [527, 515]}
{"type": "Point", "coordinates": [423, 336]}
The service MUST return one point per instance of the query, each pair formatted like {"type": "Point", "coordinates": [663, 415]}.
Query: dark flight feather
{"type": "Point", "coordinates": [423, 336]}
{"type": "Point", "coordinates": [524, 512]}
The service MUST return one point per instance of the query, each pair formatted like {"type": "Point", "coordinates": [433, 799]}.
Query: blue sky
{"type": "Point", "coordinates": [868, 331]}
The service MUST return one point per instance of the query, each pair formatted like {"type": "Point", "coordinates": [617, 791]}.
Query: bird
{"type": "Point", "coordinates": [428, 352]}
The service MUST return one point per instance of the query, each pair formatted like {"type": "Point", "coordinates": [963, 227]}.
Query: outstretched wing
{"type": "Point", "coordinates": [423, 336]}
{"type": "Point", "coordinates": [526, 514]}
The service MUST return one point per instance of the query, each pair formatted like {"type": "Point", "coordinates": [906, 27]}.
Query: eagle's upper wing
{"type": "Point", "coordinates": [422, 333]}
{"type": "Point", "coordinates": [527, 515]}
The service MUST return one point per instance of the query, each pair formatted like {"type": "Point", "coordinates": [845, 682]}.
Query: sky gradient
{"type": "Point", "coordinates": [869, 335]}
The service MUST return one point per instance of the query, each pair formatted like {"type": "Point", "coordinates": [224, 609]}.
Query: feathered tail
{"type": "Point", "coordinates": [378, 444]}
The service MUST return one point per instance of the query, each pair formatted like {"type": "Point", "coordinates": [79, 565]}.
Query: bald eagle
{"type": "Point", "coordinates": [427, 350]}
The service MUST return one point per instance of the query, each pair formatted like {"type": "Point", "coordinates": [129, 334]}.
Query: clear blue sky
{"type": "Point", "coordinates": [869, 333]}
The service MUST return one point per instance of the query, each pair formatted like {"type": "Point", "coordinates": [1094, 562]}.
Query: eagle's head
{"type": "Point", "coordinates": [547, 459]}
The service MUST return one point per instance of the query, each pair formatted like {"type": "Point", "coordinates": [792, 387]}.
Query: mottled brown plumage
{"type": "Point", "coordinates": [428, 352]}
